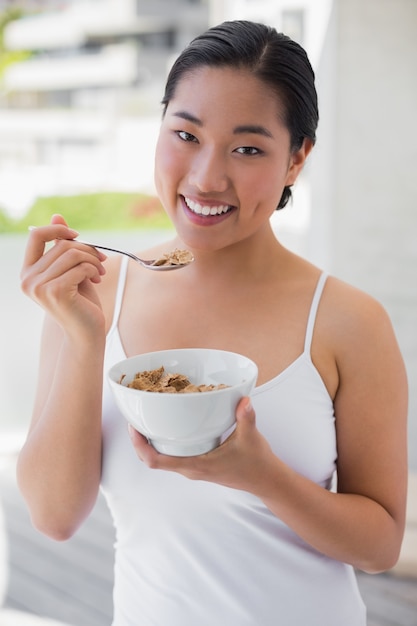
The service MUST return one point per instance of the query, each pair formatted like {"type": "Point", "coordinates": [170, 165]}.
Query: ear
{"type": "Point", "coordinates": [297, 160]}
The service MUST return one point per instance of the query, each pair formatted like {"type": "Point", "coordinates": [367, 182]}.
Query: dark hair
{"type": "Point", "coordinates": [272, 57]}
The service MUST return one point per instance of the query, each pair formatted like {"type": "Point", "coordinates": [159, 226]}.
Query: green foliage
{"type": "Point", "coordinates": [12, 56]}
{"type": "Point", "coordinates": [6, 16]}
{"type": "Point", "coordinates": [96, 211]}
{"type": "Point", "coordinates": [7, 57]}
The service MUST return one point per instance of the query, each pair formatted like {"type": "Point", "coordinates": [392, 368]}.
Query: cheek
{"type": "Point", "coordinates": [264, 188]}
{"type": "Point", "coordinates": [159, 166]}
{"type": "Point", "coordinates": [166, 167]}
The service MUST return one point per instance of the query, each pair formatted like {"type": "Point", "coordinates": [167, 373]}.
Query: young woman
{"type": "Point", "coordinates": [267, 529]}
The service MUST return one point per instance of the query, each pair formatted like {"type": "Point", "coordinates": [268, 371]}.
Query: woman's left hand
{"type": "Point", "coordinates": [239, 462]}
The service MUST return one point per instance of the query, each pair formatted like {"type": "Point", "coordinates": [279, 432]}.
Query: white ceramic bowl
{"type": "Point", "coordinates": [184, 424]}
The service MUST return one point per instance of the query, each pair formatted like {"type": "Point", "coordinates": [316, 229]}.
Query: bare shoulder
{"type": "Point", "coordinates": [353, 336]}
{"type": "Point", "coordinates": [354, 319]}
{"type": "Point", "coordinates": [372, 388]}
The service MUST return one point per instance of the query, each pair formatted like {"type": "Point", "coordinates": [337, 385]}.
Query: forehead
{"type": "Point", "coordinates": [228, 92]}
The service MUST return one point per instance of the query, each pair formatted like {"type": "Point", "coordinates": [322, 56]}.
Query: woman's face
{"type": "Point", "coordinates": [223, 157]}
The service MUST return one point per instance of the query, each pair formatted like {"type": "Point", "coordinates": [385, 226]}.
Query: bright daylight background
{"type": "Point", "coordinates": [80, 84]}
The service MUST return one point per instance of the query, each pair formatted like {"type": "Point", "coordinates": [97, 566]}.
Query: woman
{"type": "Point", "coordinates": [256, 532]}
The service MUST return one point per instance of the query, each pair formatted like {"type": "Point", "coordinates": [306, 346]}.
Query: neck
{"type": "Point", "coordinates": [250, 259]}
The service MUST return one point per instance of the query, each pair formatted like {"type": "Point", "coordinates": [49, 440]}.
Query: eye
{"type": "Point", "coordinates": [184, 136]}
{"type": "Point", "coordinates": [249, 150]}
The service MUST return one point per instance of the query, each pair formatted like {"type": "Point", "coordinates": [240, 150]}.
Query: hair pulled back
{"type": "Point", "coordinates": [272, 57]}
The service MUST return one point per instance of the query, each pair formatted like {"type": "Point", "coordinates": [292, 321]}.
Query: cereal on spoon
{"type": "Point", "coordinates": [176, 257]}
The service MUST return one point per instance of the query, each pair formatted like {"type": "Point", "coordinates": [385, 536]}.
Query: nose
{"type": "Point", "coordinates": [208, 172]}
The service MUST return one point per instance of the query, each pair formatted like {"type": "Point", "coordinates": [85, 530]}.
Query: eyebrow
{"type": "Point", "coordinates": [255, 129]}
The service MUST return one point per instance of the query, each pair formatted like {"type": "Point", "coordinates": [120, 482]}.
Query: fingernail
{"type": "Point", "coordinates": [248, 407]}
{"type": "Point", "coordinates": [32, 227]}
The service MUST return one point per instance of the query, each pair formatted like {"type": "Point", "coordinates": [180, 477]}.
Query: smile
{"type": "Point", "coordinates": [201, 209]}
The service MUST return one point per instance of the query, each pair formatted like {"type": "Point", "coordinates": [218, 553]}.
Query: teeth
{"type": "Point", "coordinates": [201, 209]}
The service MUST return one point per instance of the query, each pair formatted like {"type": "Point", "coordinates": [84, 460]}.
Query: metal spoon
{"type": "Point", "coordinates": [163, 264]}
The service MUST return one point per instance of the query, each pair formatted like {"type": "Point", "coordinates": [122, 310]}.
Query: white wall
{"type": "Point", "coordinates": [365, 172]}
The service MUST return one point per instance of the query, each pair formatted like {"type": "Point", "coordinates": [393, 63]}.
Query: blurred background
{"type": "Point", "coordinates": [80, 87]}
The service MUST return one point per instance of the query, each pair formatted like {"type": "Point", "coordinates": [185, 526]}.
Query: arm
{"type": "Point", "coordinates": [363, 523]}
{"type": "Point", "coordinates": [59, 466]}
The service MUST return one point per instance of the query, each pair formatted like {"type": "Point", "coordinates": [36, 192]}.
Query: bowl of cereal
{"type": "Point", "coordinates": [184, 400]}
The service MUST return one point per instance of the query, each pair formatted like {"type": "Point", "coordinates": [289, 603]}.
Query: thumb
{"type": "Point", "coordinates": [245, 412]}
{"type": "Point", "coordinates": [58, 219]}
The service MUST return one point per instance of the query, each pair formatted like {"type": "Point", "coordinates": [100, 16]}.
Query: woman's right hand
{"type": "Point", "coordinates": [59, 466]}
{"type": "Point", "coordinates": [61, 279]}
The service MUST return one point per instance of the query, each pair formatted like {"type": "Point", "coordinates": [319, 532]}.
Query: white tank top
{"type": "Point", "coordinates": [192, 553]}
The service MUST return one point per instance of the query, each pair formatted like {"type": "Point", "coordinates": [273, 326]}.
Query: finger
{"type": "Point", "coordinates": [62, 258]}
{"type": "Point", "coordinates": [41, 235]}
{"type": "Point", "coordinates": [57, 288]}
{"type": "Point", "coordinates": [70, 252]}
{"type": "Point", "coordinates": [91, 249]}
{"type": "Point", "coordinates": [75, 265]}
{"type": "Point", "coordinates": [58, 219]}
{"type": "Point", "coordinates": [73, 247]}
{"type": "Point", "coordinates": [245, 412]}
{"type": "Point", "coordinates": [143, 447]}
{"type": "Point", "coordinates": [155, 460]}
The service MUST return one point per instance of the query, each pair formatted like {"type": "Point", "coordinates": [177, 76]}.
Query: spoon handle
{"type": "Point", "coordinates": [129, 254]}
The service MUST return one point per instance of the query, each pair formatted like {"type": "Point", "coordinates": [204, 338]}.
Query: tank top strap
{"type": "Point", "coordinates": [313, 312]}
{"type": "Point", "coordinates": [119, 293]}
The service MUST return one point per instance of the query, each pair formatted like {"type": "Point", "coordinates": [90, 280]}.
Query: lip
{"type": "Point", "coordinates": [205, 220]}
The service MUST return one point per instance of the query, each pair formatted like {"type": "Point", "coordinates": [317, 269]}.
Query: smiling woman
{"type": "Point", "coordinates": [224, 172]}
{"type": "Point", "coordinates": [311, 483]}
